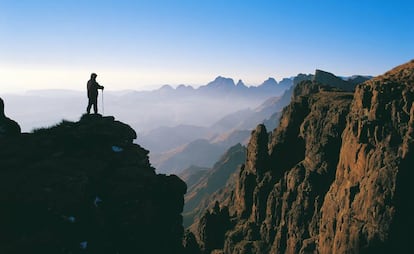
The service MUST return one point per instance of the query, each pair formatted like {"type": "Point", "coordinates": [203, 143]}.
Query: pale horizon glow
{"type": "Point", "coordinates": [141, 45]}
{"type": "Point", "coordinates": [112, 79]}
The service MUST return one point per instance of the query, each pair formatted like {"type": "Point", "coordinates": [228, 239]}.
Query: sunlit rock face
{"type": "Point", "coordinates": [367, 206]}
{"type": "Point", "coordinates": [335, 175]}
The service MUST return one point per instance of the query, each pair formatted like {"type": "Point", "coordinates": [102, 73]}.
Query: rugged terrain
{"type": "Point", "coordinates": [199, 193]}
{"type": "Point", "coordinates": [209, 143]}
{"type": "Point", "coordinates": [334, 177]}
{"type": "Point", "coordinates": [85, 187]}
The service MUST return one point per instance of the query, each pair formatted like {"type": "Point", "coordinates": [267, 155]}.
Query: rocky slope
{"type": "Point", "coordinates": [192, 175]}
{"type": "Point", "coordinates": [334, 176]}
{"type": "Point", "coordinates": [85, 187]}
{"type": "Point", "coordinates": [199, 152]}
{"type": "Point", "coordinates": [199, 194]}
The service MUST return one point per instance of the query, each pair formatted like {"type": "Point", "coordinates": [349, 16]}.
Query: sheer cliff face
{"type": "Point", "coordinates": [84, 187]}
{"type": "Point", "coordinates": [334, 176]}
{"type": "Point", "coordinates": [367, 201]}
{"type": "Point", "coordinates": [280, 192]}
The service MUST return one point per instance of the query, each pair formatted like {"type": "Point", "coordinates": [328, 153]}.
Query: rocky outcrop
{"type": "Point", "coordinates": [295, 200]}
{"type": "Point", "coordinates": [327, 78]}
{"type": "Point", "coordinates": [190, 243]}
{"type": "Point", "coordinates": [8, 127]}
{"type": "Point", "coordinates": [335, 175]}
{"type": "Point", "coordinates": [252, 171]}
{"type": "Point", "coordinates": [366, 208]}
{"type": "Point", "coordinates": [85, 187]}
{"type": "Point", "coordinates": [212, 227]}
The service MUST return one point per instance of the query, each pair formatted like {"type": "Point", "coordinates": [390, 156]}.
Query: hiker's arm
{"type": "Point", "coordinates": [100, 87]}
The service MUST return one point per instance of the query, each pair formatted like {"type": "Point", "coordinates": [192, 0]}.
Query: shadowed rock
{"type": "Point", "coordinates": [85, 187]}
{"type": "Point", "coordinates": [8, 127]}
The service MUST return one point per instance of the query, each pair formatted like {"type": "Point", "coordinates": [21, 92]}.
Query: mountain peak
{"type": "Point", "coordinates": [329, 79]}
{"type": "Point", "coordinates": [240, 84]}
{"type": "Point", "coordinates": [270, 82]}
{"type": "Point", "coordinates": [166, 88]}
{"type": "Point", "coordinates": [184, 88]}
{"type": "Point", "coordinates": [222, 81]}
{"type": "Point", "coordinates": [321, 74]}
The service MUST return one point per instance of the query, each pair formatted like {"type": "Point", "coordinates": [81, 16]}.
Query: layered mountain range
{"type": "Point", "coordinates": [222, 86]}
{"type": "Point", "coordinates": [333, 177]}
{"type": "Point", "coordinates": [203, 146]}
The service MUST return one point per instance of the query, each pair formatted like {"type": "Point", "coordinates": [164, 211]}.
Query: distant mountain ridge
{"type": "Point", "coordinates": [233, 128]}
{"type": "Point", "coordinates": [226, 87]}
{"type": "Point", "coordinates": [165, 106]}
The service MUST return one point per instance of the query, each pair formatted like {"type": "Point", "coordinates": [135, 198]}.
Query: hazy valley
{"type": "Point", "coordinates": [320, 166]}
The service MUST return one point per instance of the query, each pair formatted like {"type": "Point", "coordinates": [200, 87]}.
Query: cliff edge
{"type": "Point", "coordinates": [85, 187]}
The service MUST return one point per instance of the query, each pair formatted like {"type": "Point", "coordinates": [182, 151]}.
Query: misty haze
{"type": "Point", "coordinates": [166, 119]}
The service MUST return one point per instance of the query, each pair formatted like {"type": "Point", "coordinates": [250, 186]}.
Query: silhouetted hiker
{"type": "Point", "coordinates": [93, 87]}
{"type": "Point", "coordinates": [8, 127]}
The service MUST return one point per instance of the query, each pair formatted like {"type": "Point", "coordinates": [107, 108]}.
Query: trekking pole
{"type": "Point", "coordinates": [103, 109]}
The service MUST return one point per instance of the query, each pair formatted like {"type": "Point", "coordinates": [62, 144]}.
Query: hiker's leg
{"type": "Point", "coordinates": [88, 109]}
{"type": "Point", "coordinates": [95, 105]}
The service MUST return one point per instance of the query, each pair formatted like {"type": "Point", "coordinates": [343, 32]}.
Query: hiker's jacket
{"type": "Point", "coordinates": [93, 87]}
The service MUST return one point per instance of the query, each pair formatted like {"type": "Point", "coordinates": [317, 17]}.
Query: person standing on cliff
{"type": "Point", "coordinates": [93, 87]}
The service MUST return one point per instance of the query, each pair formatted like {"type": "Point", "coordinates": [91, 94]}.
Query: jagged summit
{"type": "Point", "coordinates": [85, 187]}
{"type": "Point", "coordinates": [270, 82]}
{"type": "Point", "coordinates": [286, 82]}
{"type": "Point", "coordinates": [221, 82]}
{"type": "Point", "coordinates": [240, 84]}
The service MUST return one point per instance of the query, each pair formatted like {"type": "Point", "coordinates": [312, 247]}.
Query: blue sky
{"type": "Point", "coordinates": [140, 44]}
